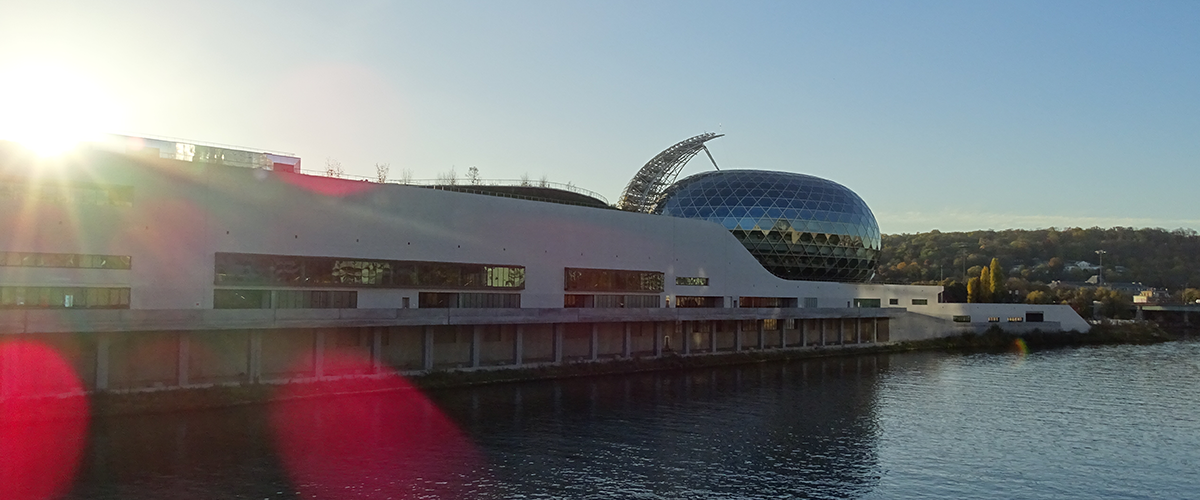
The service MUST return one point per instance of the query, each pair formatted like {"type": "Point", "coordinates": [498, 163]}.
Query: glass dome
{"type": "Point", "coordinates": [798, 226]}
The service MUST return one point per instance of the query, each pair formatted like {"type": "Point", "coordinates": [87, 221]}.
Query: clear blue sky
{"type": "Point", "coordinates": [949, 115]}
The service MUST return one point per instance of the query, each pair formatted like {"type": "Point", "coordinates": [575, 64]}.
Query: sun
{"type": "Point", "coordinates": [50, 109]}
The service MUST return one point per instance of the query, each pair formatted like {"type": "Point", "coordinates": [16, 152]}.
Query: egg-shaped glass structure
{"type": "Point", "coordinates": [798, 226]}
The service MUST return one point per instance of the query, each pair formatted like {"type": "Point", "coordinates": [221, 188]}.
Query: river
{"type": "Point", "coordinates": [1098, 422]}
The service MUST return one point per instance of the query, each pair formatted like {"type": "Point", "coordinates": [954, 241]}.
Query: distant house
{"type": "Point", "coordinates": [1082, 265]}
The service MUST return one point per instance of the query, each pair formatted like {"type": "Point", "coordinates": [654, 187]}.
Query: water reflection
{"type": "Point", "coordinates": [805, 429]}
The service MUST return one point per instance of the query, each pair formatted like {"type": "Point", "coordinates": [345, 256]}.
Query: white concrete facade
{"type": "Point", "coordinates": [183, 213]}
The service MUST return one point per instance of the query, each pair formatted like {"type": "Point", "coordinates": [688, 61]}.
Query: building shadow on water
{"type": "Point", "coordinates": [803, 429]}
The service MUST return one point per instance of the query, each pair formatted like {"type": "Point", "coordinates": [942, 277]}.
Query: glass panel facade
{"type": "Point", "coordinates": [685, 301]}
{"type": "Point", "coordinates": [269, 270]}
{"type": "Point", "coordinates": [798, 226]}
{"type": "Point", "coordinates": [73, 260]}
{"type": "Point", "coordinates": [612, 280]}
{"type": "Point", "coordinates": [686, 281]}
{"type": "Point", "coordinates": [58, 297]}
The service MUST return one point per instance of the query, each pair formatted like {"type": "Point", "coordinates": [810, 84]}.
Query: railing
{"type": "Point", "coordinates": [466, 183]}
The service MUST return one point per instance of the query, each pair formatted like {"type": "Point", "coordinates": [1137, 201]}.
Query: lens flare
{"type": "Point", "coordinates": [1020, 347]}
{"type": "Point", "coordinates": [391, 443]}
{"type": "Point", "coordinates": [43, 422]}
{"type": "Point", "coordinates": [50, 109]}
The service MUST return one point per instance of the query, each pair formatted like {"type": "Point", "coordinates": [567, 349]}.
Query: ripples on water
{"type": "Point", "coordinates": [1108, 422]}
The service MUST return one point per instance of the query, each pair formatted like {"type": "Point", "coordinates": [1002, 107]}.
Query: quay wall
{"type": "Point", "coordinates": [135, 351]}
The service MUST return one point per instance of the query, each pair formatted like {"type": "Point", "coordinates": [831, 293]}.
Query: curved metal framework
{"type": "Point", "coordinates": [660, 172]}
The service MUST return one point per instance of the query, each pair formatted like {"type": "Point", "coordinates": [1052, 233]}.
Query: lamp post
{"type": "Point", "coordinates": [1101, 254]}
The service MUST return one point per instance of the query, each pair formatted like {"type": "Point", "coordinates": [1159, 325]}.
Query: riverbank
{"type": "Point", "coordinates": [199, 398]}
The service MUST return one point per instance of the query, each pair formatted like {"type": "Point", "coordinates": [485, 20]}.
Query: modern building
{"type": "Point", "coordinates": [153, 265]}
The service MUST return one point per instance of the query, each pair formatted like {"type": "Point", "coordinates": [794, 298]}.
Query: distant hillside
{"type": "Point", "coordinates": [1155, 257]}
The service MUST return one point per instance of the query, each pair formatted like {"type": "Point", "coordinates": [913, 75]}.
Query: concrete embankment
{"type": "Point", "coordinates": [197, 398]}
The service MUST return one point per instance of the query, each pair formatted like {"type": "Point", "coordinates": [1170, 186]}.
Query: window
{"type": "Point", "coordinates": [810, 302]}
{"type": "Point", "coordinates": [684, 301]}
{"type": "Point", "coordinates": [612, 280]}
{"type": "Point", "coordinates": [57, 297]}
{"type": "Point", "coordinates": [685, 281]}
{"type": "Point", "coordinates": [71, 260]}
{"type": "Point", "coordinates": [994, 319]}
{"type": "Point", "coordinates": [453, 300]}
{"type": "Point", "coordinates": [1016, 319]}
{"type": "Point", "coordinates": [768, 302]}
{"type": "Point", "coordinates": [893, 302]}
{"type": "Point", "coordinates": [867, 303]}
{"type": "Point", "coordinates": [285, 299]}
{"type": "Point", "coordinates": [920, 302]}
{"type": "Point", "coordinates": [1035, 317]}
{"type": "Point", "coordinates": [76, 193]}
{"type": "Point", "coordinates": [268, 270]}
{"type": "Point", "coordinates": [962, 319]}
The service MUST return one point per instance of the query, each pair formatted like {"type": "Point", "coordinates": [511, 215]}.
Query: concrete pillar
{"type": "Point", "coordinates": [658, 335]}
{"type": "Point", "coordinates": [627, 343]}
{"type": "Point", "coordinates": [594, 348]}
{"type": "Point", "coordinates": [558, 342]}
{"type": "Point", "coordinates": [783, 329]}
{"type": "Point", "coordinates": [737, 335]}
{"type": "Point", "coordinates": [377, 350]}
{"type": "Point", "coordinates": [841, 331]}
{"type": "Point", "coordinates": [319, 353]}
{"type": "Point", "coordinates": [184, 358]}
{"type": "Point", "coordinates": [874, 330]}
{"type": "Point", "coordinates": [821, 323]}
{"type": "Point", "coordinates": [255, 361]}
{"type": "Point", "coordinates": [519, 346]}
{"type": "Point", "coordinates": [762, 336]}
{"type": "Point", "coordinates": [712, 336]}
{"type": "Point", "coordinates": [476, 339]}
{"type": "Point", "coordinates": [103, 343]}
{"type": "Point", "coordinates": [857, 330]}
{"type": "Point", "coordinates": [685, 337]}
{"type": "Point", "coordinates": [803, 332]}
{"type": "Point", "coordinates": [427, 346]}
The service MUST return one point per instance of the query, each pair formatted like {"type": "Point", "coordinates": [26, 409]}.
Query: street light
{"type": "Point", "coordinates": [1101, 254]}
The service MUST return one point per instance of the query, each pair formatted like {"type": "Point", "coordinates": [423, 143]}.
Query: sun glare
{"type": "Point", "coordinates": [51, 109]}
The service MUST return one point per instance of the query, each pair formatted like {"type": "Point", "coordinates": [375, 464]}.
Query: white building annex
{"type": "Point", "coordinates": [167, 265]}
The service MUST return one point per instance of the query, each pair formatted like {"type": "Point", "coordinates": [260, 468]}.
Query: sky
{"type": "Point", "coordinates": [943, 115]}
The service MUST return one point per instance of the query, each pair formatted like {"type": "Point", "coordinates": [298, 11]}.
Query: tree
{"type": "Point", "coordinates": [525, 179]}
{"type": "Point", "coordinates": [449, 178]}
{"type": "Point", "coordinates": [973, 291]}
{"type": "Point", "coordinates": [985, 285]}
{"type": "Point", "coordinates": [1039, 297]}
{"type": "Point", "coordinates": [996, 283]}
{"type": "Point", "coordinates": [381, 171]}
{"type": "Point", "coordinates": [473, 175]}
{"type": "Point", "coordinates": [406, 176]}
{"type": "Point", "coordinates": [333, 168]}
{"type": "Point", "coordinates": [954, 292]}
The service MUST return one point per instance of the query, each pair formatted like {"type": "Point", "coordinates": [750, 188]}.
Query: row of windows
{"type": "Point", "coordinates": [76, 193]}
{"type": "Point", "coordinates": [284, 299]}
{"type": "Point", "coordinates": [612, 280]}
{"type": "Point", "coordinates": [442, 300]}
{"type": "Point", "coordinates": [1031, 317]}
{"type": "Point", "coordinates": [85, 261]}
{"type": "Point", "coordinates": [273, 270]}
{"type": "Point", "coordinates": [62, 297]}
{"type": "Point", "coordinates": [770, 302]}
{"type": "Point", "coordinates": [686, 301]}
{"type": "Point", "coordinates": [612, 301]}
{"type": "Point", "coordinates": [691, 281]}
{"type": "Point", "coordinates": [915, 302]}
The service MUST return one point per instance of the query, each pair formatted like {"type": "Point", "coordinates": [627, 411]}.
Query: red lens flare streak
{"type": "Point", "coordinates": [43, 422]}
{"type": "Point", "coordinates": [390, 443]}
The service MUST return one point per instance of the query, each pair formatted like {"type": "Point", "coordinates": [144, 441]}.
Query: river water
{"type": "Point", "coordinates": [1099, 422]}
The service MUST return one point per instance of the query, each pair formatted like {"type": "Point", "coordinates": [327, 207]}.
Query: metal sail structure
{"type": "Point", "coordinates": [660, 172]}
